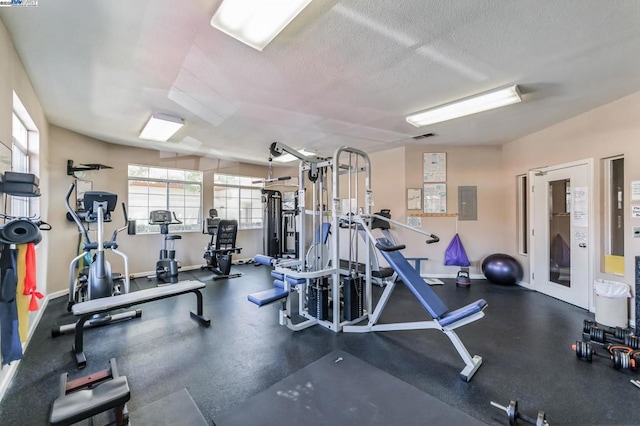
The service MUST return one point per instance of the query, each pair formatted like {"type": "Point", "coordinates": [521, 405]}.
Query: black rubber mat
{"type": "Point", "coordinates": [175, 409]}
{"type": "Point", "coordinates": [340, 389]}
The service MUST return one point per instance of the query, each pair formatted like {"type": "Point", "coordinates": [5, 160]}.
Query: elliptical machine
{"type": "Point", "coordinates": [97, 281]}
{"type": "Point", "coordinates": [167, 266]}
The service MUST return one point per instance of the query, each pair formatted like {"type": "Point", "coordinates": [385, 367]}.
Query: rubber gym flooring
{"type": "Point", "coordinates": [524, 340]}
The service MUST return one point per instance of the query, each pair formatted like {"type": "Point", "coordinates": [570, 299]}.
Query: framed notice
{"type": "Point", "coordinates": [580, 211]}
{"type": "Point", "coordinates": [435, 166]}
{"type": "Point", "coordinates": [414, 199]}
{"type": "Point", "coordinates": [434, 196]}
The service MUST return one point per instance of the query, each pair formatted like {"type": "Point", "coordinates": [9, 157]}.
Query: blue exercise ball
{"type": "Point", "coordinates": [502, 269]}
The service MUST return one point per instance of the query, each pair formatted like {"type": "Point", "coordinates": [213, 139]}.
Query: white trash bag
{"type": "Point", "coordinates": [611, 289]}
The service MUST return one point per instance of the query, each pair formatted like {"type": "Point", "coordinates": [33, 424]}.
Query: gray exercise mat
{"type": "Point", "coordinates": [340, 389]}
{"type": "Point", "coordinates": [175, 409]}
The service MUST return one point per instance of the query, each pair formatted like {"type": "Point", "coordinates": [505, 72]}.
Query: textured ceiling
{"type": "Point", "coordinates": [342, 73]}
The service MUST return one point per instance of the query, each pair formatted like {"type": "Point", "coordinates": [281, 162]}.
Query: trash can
{"type": "Point", "coordinates": [611, 303]}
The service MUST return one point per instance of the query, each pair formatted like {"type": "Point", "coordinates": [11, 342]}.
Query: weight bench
{"type": "Point", "coordinates": [88, 396]}
{"type": "Point", "coordinates": [86, 310]}
{"type": "Point", "coordinates": [443, 319]}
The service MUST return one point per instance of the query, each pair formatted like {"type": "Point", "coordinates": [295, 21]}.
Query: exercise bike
{"type": "Point", "coordinates": [219, 252]}
{"type": "Point", "coordinates": [167, 266]}
{"type": "Point", "coordinates": [97, 280]}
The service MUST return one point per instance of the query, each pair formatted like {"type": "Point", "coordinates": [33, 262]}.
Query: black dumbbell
{"type": "Point", "coordinates": [623, 357]}
{"type": "Point", "coordinates": [514, 415]}
{"type": "Point", "coordinates": [631, 341]}
{"type": "Point", "coordinates": [618, 333]}
{"type": "Point", "coordinates": [584, 350]}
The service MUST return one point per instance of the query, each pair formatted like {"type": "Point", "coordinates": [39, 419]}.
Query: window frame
{"type": "Point", "coordinates": [142, 226]}
{"type": "Point", "coordinates": [20, 141]}
{"type": "Point", "coordinates": [243, 183]}
{"type": "Point", "coordinates": [522, 208]}
{"type": "Point", "coordinates": [613, 263]}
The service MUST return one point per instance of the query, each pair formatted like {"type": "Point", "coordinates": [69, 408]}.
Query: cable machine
{"type": "Point", "coordinates": [329, 190]}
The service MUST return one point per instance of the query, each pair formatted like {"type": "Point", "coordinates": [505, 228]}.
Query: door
{"type": "Point", "coordinates": [562, 215]}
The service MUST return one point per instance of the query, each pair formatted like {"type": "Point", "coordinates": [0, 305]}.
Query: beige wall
{"type": "Point", "coordinates": [607, 131]}
{"type": "Point", "coordinates": [466, 166]}
{"type": "Point", "coordinates": [13, 78]}
{"type": "Point", "coordinates": [141, 249]}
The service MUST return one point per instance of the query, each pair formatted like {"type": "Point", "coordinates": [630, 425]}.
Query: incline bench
{"type": "Point", "coordinates": [443, 319]}
{"type": "Point", "coordinates": [86, 310]}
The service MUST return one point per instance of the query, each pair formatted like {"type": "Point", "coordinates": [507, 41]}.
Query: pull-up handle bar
{"type": "Point", "coordinates": [390, 248]}
{"type": "Point", "coordinates": [434, 239]}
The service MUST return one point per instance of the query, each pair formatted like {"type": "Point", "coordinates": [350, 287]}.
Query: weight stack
{"type": "Point", "coordinates": [637, 294]}
{"type": "Point", "coordinates": [353, 298]}
{"type": "Point", "coordinates": [318, 300]}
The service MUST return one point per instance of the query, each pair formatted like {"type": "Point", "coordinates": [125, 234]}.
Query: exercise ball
{"type": "Point", "coordinates": [502, 269]}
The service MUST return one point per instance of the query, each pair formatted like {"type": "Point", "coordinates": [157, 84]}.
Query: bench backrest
{"type": "Point", "coordinates": [412, 279]}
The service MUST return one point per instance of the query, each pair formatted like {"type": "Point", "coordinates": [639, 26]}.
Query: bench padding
{"type": "Point", "coordinates": [427, 297]}
{"type": "Point", "coordinates": [125, 300]}
{"type": "Point", "coordinates": [263, 260]}
{"type": "Point", "coordinates": [265, 297]}
{"type": "Point", "coordinates": [80, 405]}
{"type": "Point", "coordinates": [464, 312]}
{"type": "Point", "coordinates": [291, 280]}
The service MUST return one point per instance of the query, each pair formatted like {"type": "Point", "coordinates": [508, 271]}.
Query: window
{"type": "Point", "coordinates": [237, 197]}
{"type": "Point", "coordinates": [614, 216]}
{"type": "Point", "coordinates": [523, 211]}
{"type": "Point", "coordinates": [160, 188]}
{"type": "Point", "coordinates": [19, 162]}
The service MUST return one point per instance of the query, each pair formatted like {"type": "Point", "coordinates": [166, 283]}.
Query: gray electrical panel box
{"type": "Point", "coordinates": [467, 203]}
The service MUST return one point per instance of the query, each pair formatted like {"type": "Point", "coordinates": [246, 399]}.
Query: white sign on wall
{"type": "Point", "coordinates": [580, 211]}
{"type": "Point", "coordinates": [635, 190]}
{"type": "Point", "coordinates": [635, 211]}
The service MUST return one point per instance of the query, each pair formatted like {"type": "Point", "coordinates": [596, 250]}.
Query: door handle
{"type": "Point", "coordinates": [582, 245]}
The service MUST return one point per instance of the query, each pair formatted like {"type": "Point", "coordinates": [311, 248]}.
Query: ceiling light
{"type": "Point", "coordinates": [256, 22]}
{"type": "Point", "coordinates": [161, 127]}
{"type": "Point", "coordinates": [471, 105]}
{"type": "Point", "coordinates": [288, 157]}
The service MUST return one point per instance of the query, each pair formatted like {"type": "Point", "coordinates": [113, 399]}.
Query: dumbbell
{"type": "Point", "coordinates": [514, 415]}
{"type": "Point", "coordinates": [622, 357]}
{"type": "Point", "coordinates": [600, 333]}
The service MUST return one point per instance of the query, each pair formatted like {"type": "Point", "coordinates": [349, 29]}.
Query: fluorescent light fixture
{"type": "Point", "coordinates": [256, 22]}
{"type": "Point", "coordinates": [467, 106]}
{"type": "Point", "coordinates": [286, 158]}
{"type": "Point", "coordinates": [161, 127]}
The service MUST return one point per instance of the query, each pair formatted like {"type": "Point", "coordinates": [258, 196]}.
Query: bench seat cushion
{"type": "Point", "coordinates": [291, 280]}
{"type": "Point", "coordinates": [124, 300]}
{"type": "Point", "coordinates": [263, 260]}
{"type": "Point", "coordinates": [86, 403]}
{"type": "Point", "coordinates": [265, 297]}
{"type": "Point", "coordinates": [464, 312]}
